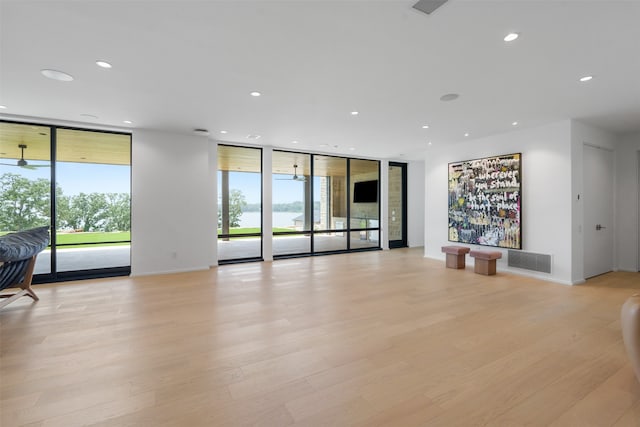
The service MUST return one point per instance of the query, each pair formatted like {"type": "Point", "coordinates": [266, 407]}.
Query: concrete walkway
{"type": "Point", "coordinates": [86, 258]}
{"type": "Point", "coordinates": [89, 258]}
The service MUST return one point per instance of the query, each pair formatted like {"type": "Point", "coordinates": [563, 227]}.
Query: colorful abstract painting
{"type": "Point", "coordinates": [484, 201]}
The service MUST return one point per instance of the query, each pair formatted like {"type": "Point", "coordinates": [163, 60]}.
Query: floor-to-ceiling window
{"type": "Point", "coordinates": [25, 181]}
{"type": "Point", "coordinates": [365, 203]}
{"type": "Point", "coordinates": [324, 204]}
{"type": "Point", "coordinates": [93, 177]}
{"type": "Point", "coordinates": [293, 214]}
{"type": "Point", "coordinates": [239, 203]}
{"type": "Point", "coordinates": [88, 207]}
{"type": "Point", "coordinates": [330, 181]}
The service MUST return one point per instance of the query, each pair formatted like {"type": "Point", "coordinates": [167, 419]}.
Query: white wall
{"type": "Point", "coordinates": [173, 223]}
{"type": "Point", "coordinates": [415, 203]}
{"type": "Point", "coordinates": [546, 193]}
{"type": "Point", "coordinates": [627, 183]}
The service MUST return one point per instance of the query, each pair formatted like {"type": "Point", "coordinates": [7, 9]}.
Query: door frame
{"type": "Point", "coordinates": [611, 151]}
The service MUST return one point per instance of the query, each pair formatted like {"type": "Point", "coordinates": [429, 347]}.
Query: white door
{"type": "Point", "coordinates": [598, 211]}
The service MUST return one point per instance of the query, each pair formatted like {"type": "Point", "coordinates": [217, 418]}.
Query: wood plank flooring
{"type": "Point", "coordinates": [365, 339]}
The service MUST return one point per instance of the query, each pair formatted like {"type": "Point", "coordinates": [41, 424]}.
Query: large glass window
{"type": "Point", "coordinates": [364, 207]}
{"type": "Point", "coordinates": [93, 203]}
{"type": "Point", "coordinates": [292, 210]}
{"type": "Point", "coordinates": [330, 195]}
{"type": "Point", "coordinates": [25, 182]}
{"type": "Point", "coordinates": [239, 203]}
{"type": "Point", "coordinates": [324, 204]}
{"type": "Point", "coordinates": [89, 206]}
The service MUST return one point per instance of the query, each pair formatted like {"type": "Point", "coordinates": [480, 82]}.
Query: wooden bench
{"type": "Point", "coordinates": [455, 256]}
{"type": "Point", "coordinates": [485, 261]}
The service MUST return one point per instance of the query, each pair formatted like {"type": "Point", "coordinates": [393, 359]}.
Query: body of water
{"type": "Point", "coordinates": [280, 219]}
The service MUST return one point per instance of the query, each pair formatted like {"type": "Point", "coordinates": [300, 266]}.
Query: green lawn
{"type": "Point", "coordinates": [77, 239]}
{"type": "Point", "coordinates": [74, 240]}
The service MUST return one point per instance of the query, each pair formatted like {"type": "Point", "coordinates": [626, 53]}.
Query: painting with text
{"type": "Point", "coordinates": [484, 201]}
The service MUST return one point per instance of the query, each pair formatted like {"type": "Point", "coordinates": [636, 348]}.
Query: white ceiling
{"type": "Point", "coordinates": [180, 65]}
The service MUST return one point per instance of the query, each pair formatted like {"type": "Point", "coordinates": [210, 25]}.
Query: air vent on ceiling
{"type": "Point", "coordinates": [529, 261]}
{"type": "Point", "coordinates": [428, 6]}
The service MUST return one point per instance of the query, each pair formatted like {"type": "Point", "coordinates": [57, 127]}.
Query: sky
{"type": "Point", "coordinates": [76, 178]}
{"type": "Point", "coordinates": [284, 190]}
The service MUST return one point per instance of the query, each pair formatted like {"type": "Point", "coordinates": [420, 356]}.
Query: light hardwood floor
{"type": "Point", "coordinates": [366, 339]}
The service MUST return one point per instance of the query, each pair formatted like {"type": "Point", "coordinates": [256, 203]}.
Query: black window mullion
{"type": "Point", "coordinates": [348, 173]}
{"type": "Point", "coordinates": [53, 134]}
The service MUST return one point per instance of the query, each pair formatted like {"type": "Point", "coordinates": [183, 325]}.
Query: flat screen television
{"type": "Point", "coordinates": [365, 192]}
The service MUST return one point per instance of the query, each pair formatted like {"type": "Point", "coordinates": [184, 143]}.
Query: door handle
{"type": "Point", "coordinates": [599, 227]}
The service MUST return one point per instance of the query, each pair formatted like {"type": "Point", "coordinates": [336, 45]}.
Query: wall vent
{"type": "Point", "coordinates": [529, 261]}
{"type": "Point", "coordinates": [428, 6]}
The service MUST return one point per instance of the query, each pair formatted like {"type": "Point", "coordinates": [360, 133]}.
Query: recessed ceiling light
{"type": "Point", "coordinates": [294, 142]}
{"type": "Point", "coordinates": [354, 113]}
{"type": "Point", "coordinates": [253, 136]}
{"type": "Point", "coordinates": [89, 116]}
{"type": "Point", "coordinates": [449, 97]}
{"type": "Point", "coordinates": [127, 122]}
{"type": "Point", "coordinates": [2, 107]}
{"type": "Point", "coordinates": [255, 93]}
{"type": "Point", "coordinates": [466, 134]}
{"type": "Point", "coordinates": [514, 124]}
{"type": "Point", "coordinates": [425, 127]}
{"type": "Point", "coordinates": [57, 75]}
{"type": "Point", "coordinates": [103, 64]}
{"type": "Point", "coordinates": [511, 37]}
{"type": "Point", "coordinates": [429, 143]}
{"type": "Point", "coordinates": [586, 78]}
{"type": "Point", "coordinates": [352, 148]}
{"type": "Point", "coordinates": [223, 131]}
{"type": "Point", "coordinates": [324, 145]}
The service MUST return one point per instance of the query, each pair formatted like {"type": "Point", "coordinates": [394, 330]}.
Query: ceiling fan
{"type": "Point", "coordinates": [22, 162]}
{"type": "Point", "coordinates": [295, 176]}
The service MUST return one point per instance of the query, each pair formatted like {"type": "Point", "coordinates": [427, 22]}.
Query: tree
{"type": "Point", "coordinates": [23, 203]}
{"type": "Point", "coordinates": [87, 212]}
{"type": "Point", "coordinates": [237, 202]}
{"type": "Point", "coordinates": [118, 214]}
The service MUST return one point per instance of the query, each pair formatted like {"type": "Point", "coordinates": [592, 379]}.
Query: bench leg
{"type": "Point", "coordinates": [485, 266]}
{"type": "Point", "coordinates": [455, 261]}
